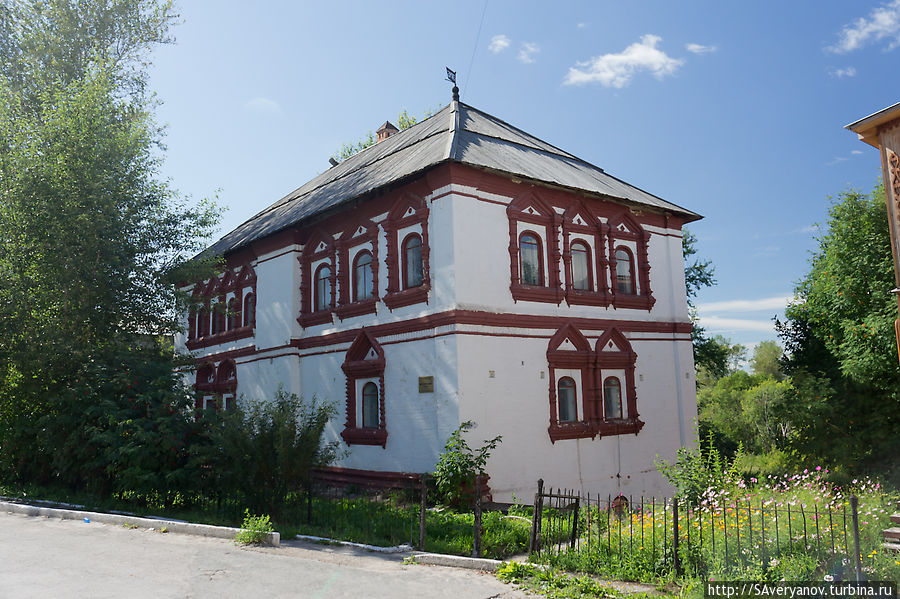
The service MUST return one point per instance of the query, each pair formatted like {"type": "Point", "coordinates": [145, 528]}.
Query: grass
{"type": "Point", "coordinates": [387, 520]}
{"type": "Point", "coordinates": [555, 584]}
{"type": "Point", "coordinates": [798, 546]}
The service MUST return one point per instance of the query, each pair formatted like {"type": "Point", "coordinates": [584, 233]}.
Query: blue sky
{"type": "Point", "coordinates": [734, 110]}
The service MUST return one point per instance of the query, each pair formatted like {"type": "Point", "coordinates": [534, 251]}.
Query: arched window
{"type": "Point", "coordinates": [624, 271]}
{"type": "Point", "coordinates": [192, 324]}
{"type": "Point", "coordinates": [530, 265]}
{"type": "Point", "coordinates": [581, 266]}
{"type": "Point", "coordinates": [362, 276]}
{"type": "Point", "coordinates": [218, 317]}
{"type": "Point", "coordinates": [370, 405]}
{"type": "Point", "coordinates": [250, 310]}
{"type": "Point", "coordinates": [323, 288]}
{"type": "Point", "coordinates": [412, 261]}
{"type": "Point", "coordinates": [612, 398]}
{"type": "Point", "coordinates": [567, 400]}
{"type": "Point", "coordinates": [234, 314]}
{"type": "Point", "coordinates": [203, 322]}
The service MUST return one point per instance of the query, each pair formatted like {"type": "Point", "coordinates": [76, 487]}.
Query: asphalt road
{"type": "Point", "coordinates": [49, 558]}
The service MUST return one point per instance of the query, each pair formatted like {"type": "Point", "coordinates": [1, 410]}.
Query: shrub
{"type": "Point", "coordinates": [264, 450]}
{"type": "Point", "coordinates": [254, 529]}
{"type": "Point", "coordinates": [695, 470]}
{"type": "Point", "coordinates": [459, 464]}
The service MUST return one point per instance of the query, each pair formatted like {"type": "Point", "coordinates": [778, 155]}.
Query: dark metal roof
{"type": "Point", "coordinates": [457, 133]}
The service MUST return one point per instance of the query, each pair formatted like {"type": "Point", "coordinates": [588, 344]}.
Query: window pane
{"type": "Point", "coordinates": [580, 266]}
{"type": "Point", "coordinates": [529, 257]}
{"type": "Point", "coordinates": [612, 397]}
{"type": "Point", "coordinates": [323, 288]}
{"type": "Point", "coordinates": [624, 276]}
{"type": "Point", "coordinates": [362, 288]}
{"type": "Point", "coordinates": [566, 399]}
{"type": "Point", "coordinates": [370, 406]}
{"type": "Point", "coordinates": [412, 257]}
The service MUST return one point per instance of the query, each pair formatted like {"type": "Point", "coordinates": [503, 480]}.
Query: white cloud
{"type": "Point", "coordinates": [845, 72]}
{"type": "Point", "coordinates": [499, 43]}
{"type": "Point", "coordinates": [700, 48]}
{"type": "Point", "coordinates": [263, 105]}
{"type": "Point", "coordinates": [717, 323]}
{"type": "Point", "coordinates": [855, 152]}
{"type": "Point", "coordinates": [767, 303]}
{"type": "Point", "coordinates": [808, 229]}
{"type": "Point", "coordinates": [616, 70]}
{"type": "Point", "coordinates": [883, 23]}
{"type": "Point", "coordinates": [836, 160]}
{"type": "Point", "coordinates": [582, 25]}
{"type": "Point", "coordinates": [527, 52]}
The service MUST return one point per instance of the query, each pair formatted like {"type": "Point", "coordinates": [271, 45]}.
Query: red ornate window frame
{"type": "Point", "coordinates": [219, 381]}
{"type": "Point", "coordinates": [408, 211]}
{"type": "Point", "coordinates": [230, 324]}
{"type": "Point", "coordinates": [612, 352]}
{"type": "Point", "coordinates": [578, 220]}
{"type": "Point", "coordinates": [624, 228]}
{"type": "Point", "coordinates": [632, 279]}
{"type": "Point", "coordinates": [364, 360]}
{"type": "Point", "coordinates": [326, 283]}
{"type": "Point", "coordinates": [363, 232]}
{"type": "Point", "coordinates": [320, 246]}
{"type": "Point", "coordinates": [544, 221]}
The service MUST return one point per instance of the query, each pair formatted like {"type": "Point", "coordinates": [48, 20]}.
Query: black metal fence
{"type": "Point", "coordinates": [673, 535]}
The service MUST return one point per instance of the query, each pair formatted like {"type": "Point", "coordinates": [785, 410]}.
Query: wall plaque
{"type": "Point", "coordinates": [426, 384]}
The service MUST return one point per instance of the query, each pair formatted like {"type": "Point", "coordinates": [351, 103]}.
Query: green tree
{"type": "Point", "coordinates": [839, 341]}
{"type": "Point", "coordinates": [766, 359]}
{"type": "Point", "coordinates": [91, 237]}
{"type": "Point", "coordinates": [711, 355]}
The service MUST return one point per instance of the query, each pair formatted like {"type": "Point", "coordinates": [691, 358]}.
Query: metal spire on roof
{"type": "Point", "coordinates": [451, 77]}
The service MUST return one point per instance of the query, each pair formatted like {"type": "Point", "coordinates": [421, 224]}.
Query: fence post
{"type": "Point", "coordinates": [536, 517]}
{"type": "Point", "coordinates": [423, 485]}
{"type": "Point", "coordinates": [854, 504]}
{"type": "Point", "coordinates": [575, 523]}
{"type": "Point", "coordinates": [476, 545]}
{"type": "Point", "coordinates": [675, 537]}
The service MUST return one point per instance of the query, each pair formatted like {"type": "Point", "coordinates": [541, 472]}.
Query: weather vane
{"type": "Point", "coordinates": [451, 77]}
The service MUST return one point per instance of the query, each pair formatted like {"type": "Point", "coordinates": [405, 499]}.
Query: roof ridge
{"type": "Point", "coordinates": [349, 171]}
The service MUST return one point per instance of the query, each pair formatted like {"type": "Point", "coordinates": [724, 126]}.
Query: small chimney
{"type": "Point", "coordinates": [387, 129]}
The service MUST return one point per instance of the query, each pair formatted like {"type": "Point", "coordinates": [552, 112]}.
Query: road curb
{"type": "Point", "coordinates": [457, 561]}
{"type": "Point", "coordinates": [188, 528]}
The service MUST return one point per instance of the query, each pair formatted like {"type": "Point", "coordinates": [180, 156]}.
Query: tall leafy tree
{"type": "Point", "coordinates": [839, 339]}
{"type": "Point", "coordinates": [711, 354]}
{"type": "Point", "coordinates": [92, 238]}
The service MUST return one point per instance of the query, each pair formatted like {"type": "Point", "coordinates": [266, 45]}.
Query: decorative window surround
{"type": "Point", "coordinates": [624, 228]}
{"type": "Point", "coordinates": [235, 282]}
{"type": "Point", "coordinates": [544, 221]}
{"type": "Point", "coordinates": [408, 211]}
{"type": "Point", "coordinates": [364, 360]}
{"type": "Point", "coordinates": [578, 220]}
{"type": "Point", "coordinates": [569, 349]}
{"type": "Point", "coordinates": [320, 246]}
{"type": "Point", "coordinates": [363, 232]}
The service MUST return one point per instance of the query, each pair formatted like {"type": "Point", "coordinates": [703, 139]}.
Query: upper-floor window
{"type": "Point", "coordinates": [370, 405]}
{"type": "Point", "coordinates": [412, 261]}
{"type": "Point", "coordinates": [530, 259]}
{"type": "Point", "coordinates": [234, 314]}
{"type": "Point", "coordinates": [218, 317]}
{"type": "Point", "coordinates": [624, 271]}
{"type": "Point", "coordinates": [203, 322]}
{"type": "Point", "coordinates": [250, 310]}
{"type": "Point", "coordinates": [323, 288]}
{"type": "Point", "coordinates": [362, 276]}
{"type": "Point", "coordinates": [567, 400]}
{"type": "Point", "coordinates": [612, 398]}
{"type": "Point", "coordinates": [581, 266]}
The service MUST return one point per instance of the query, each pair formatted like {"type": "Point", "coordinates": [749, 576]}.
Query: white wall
{"type": "Point", "coordinates": [515, 404]}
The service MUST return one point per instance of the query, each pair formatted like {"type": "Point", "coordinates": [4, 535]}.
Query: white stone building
{"type": "Point", "coordinates": [464, 270]}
